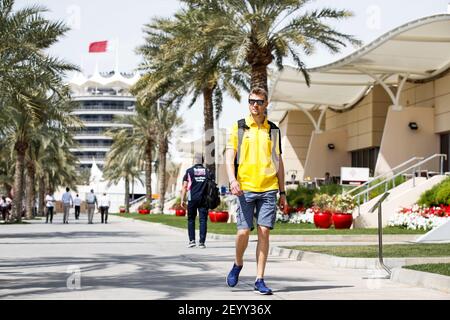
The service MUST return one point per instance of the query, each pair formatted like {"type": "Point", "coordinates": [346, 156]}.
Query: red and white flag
{"type": "Point", "coordinates": [98, 47]}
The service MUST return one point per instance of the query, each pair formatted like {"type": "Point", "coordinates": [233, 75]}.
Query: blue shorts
{"type": "Point", "coordinates": [259, 205]}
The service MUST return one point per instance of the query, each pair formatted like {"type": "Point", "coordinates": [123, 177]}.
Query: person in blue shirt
{"type": "Point", "coordinates": [194, 184]}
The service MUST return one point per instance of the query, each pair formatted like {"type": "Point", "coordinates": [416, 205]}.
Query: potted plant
{"type": "Point", "coordinates": [322, 209]}
{"type": "Point", "coordinates": [342, 207]}
{"type": "Point", "coordinates": [122, 209]}
{"type": "Point", "coordinates": [145, 208]}
{"type": "Point", "coordinates": [178, 209]}
{"type": "Point", "coordinates": [219, 214]}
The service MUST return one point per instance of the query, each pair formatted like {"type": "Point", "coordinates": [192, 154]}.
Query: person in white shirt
{"type": "Point", "coordinates": [5, 206]}
{"type": "Point", "coordinates": [104, 207]}
{"type": "Point", "coordinates": [67, 201]}
{"type": "Point", "coordinates": [50, 205]}
{"type": "Point", "coordinates": [77, 204]}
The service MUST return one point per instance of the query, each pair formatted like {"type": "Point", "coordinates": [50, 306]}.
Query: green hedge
{"type": "Point", "coordinates": [439, 194]}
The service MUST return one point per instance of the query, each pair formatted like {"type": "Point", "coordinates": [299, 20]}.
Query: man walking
{"type": "Point", "coordinates": [194, 183]}
{"type": "Point", "coordinates": [104, 207]}
{"type": "Point", "coordinates": [91, 201]}
{"type": "Point", "coordinates": [50, 205]}
{"type": "Point", "coordinates": [77, 204]}
{"type": "Point", "coordinates": [67, 201]}
{"type": "Point", "coordinates": [255, 144]}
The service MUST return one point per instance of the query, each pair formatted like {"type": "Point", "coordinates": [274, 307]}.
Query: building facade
{"type": "Point", "coordinates": [99, 99]}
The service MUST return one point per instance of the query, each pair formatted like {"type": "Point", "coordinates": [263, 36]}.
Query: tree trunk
{"type": "Point", "coordinates": [127, 194]}
{"type": "Point", "coordinates": [163, 149]}
{"type": "Point", "coordinates": [41, 196]}
{"type": "Point", "coordinates": [209, 146]}
{"type": "Point", "coordinates": [20, 149]}
{"type": "Point", "coordinates": [30, 194]}
{"type": "Point", "coordinates": [148, 170]}
{"type": "Point", "coordinates": [259, 76]}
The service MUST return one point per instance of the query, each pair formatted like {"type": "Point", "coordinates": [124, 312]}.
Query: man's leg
{"type": "Point", "coordinates": [91, 209]}
{"type": "Point", "coordinates": [266, 214]}
{"type": "Point", "coordinates": [244, 222]}
{"type": "Point", "coordinates": [203, 216]}
{"type": "Point", "coordinates": [102, 212]}
{"type": "Point", "coordinates": [106, 214]}
{"type": "Point", "coordinates": [262, 250]}
{"type": "Point", "coordinates": [242, 238]}
{"type": "Point", "coordinates": [50, 209]}
{"type": "Point", "coordinates": [192, 214]}
{"type": "Point", "coordinates": [66, 213]}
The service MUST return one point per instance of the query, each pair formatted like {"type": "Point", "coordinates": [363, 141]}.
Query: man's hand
{"type": "Point", "coordinates": [236, 188]}
{"type": "Point", "coordinates": [283, 202]}
{"type": "Point", "coordinates": [183, 204]}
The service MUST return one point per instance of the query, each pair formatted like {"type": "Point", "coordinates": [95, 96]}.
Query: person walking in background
{"type": "Point", "coordinates": [194, 183]}
{"type": "Point", "coordinates": [67, 202]}
{"type": "Point", "coordinates": [50, 206]}
{"type": "Point", "coordinates": [104, 207]}
{"type": "Point", "coordinates": [77, 204]}
{"type": "Point", "coordinates": [4, 208]}
{"type": "Point", "coordinates": [255, 145]}
{"type": "Point", "coordinates": [91, 201]}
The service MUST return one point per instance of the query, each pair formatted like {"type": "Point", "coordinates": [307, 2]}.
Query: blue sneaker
{"type": "Point", "coordinates": [233, 276]}
{"type": "Point", "coordinates": [261, 288]}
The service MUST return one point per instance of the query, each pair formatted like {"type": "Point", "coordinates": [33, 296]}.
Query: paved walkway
{"type": "Point", "coordinates": [128, 259]}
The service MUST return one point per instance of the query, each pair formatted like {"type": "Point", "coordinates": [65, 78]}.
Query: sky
{"type": "Point", "coordinates": [121, 22]}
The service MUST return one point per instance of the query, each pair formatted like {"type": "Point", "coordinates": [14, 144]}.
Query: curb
{"type": "Point", "coordinates": [351, 263]}
{"type": "Point", "coordinates": [306, 238]}
{"type": "Point", "coordinates": [421, 279]}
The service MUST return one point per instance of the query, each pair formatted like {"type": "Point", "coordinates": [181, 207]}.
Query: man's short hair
{"type": "Point", "coordinates": [67, 189]}
{"type": "Point", "coordinates": [260, 92]}
{"type": "Point", "coordinates": [198, 158]}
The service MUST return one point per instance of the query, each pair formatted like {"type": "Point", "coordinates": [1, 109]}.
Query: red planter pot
{"type": "Point", "coordinates": [180, 212]}
{"type": "Point", "coordinates": [342, 221]}
{"type": "Point", "coordinates": [122, 210]}
{"type": "Point", "coordinates": [218, 216]}
{"type": "Point", "coordinates": [323, 220]}
{"type": "Point", "coordinates": [144, 211]}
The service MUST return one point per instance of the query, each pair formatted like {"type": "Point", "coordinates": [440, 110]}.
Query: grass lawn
{"type": "Point", "coordinates": [392, 251]}
{"type": "Point", "coordinates": [439, 268]}
{"type": "Point", "coordinates": [280, 228]}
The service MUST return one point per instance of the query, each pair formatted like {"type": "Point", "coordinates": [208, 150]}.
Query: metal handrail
{"type": "Point", "coordinates": [137, 200]}
{"type": "Point", "coordinates": [384, 174]}
{"type": "Point", "coordinates": [417, 165]}
{"type": "Point", "coordinates": [378, 206]}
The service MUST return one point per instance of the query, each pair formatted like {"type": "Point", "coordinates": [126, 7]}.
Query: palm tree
{"type": "Point", "coordinates": [138, 140]}
{"type": "Point", "coordinates": [30, 77]}
{"type": "Point", "coordinates": [167, 120]}
{"type": "Point", "coordinates": [259, 32]}
{"type": "Point", "coordinates": [122, 162]}
{"type": "Point", "coordinates": [175, 67]}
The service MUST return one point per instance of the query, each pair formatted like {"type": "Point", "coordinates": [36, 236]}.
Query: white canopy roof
{"type": "Point", "coordinates": [117, 79]}
{"type": "Point", "coordinates": [417, 50]}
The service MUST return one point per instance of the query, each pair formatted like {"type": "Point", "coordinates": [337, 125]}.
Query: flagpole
{"type": "Point", "coordinates": [117, 56]}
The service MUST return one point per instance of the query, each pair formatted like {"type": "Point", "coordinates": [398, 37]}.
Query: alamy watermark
{"type": "Point", "coordinates": [73, 282]}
